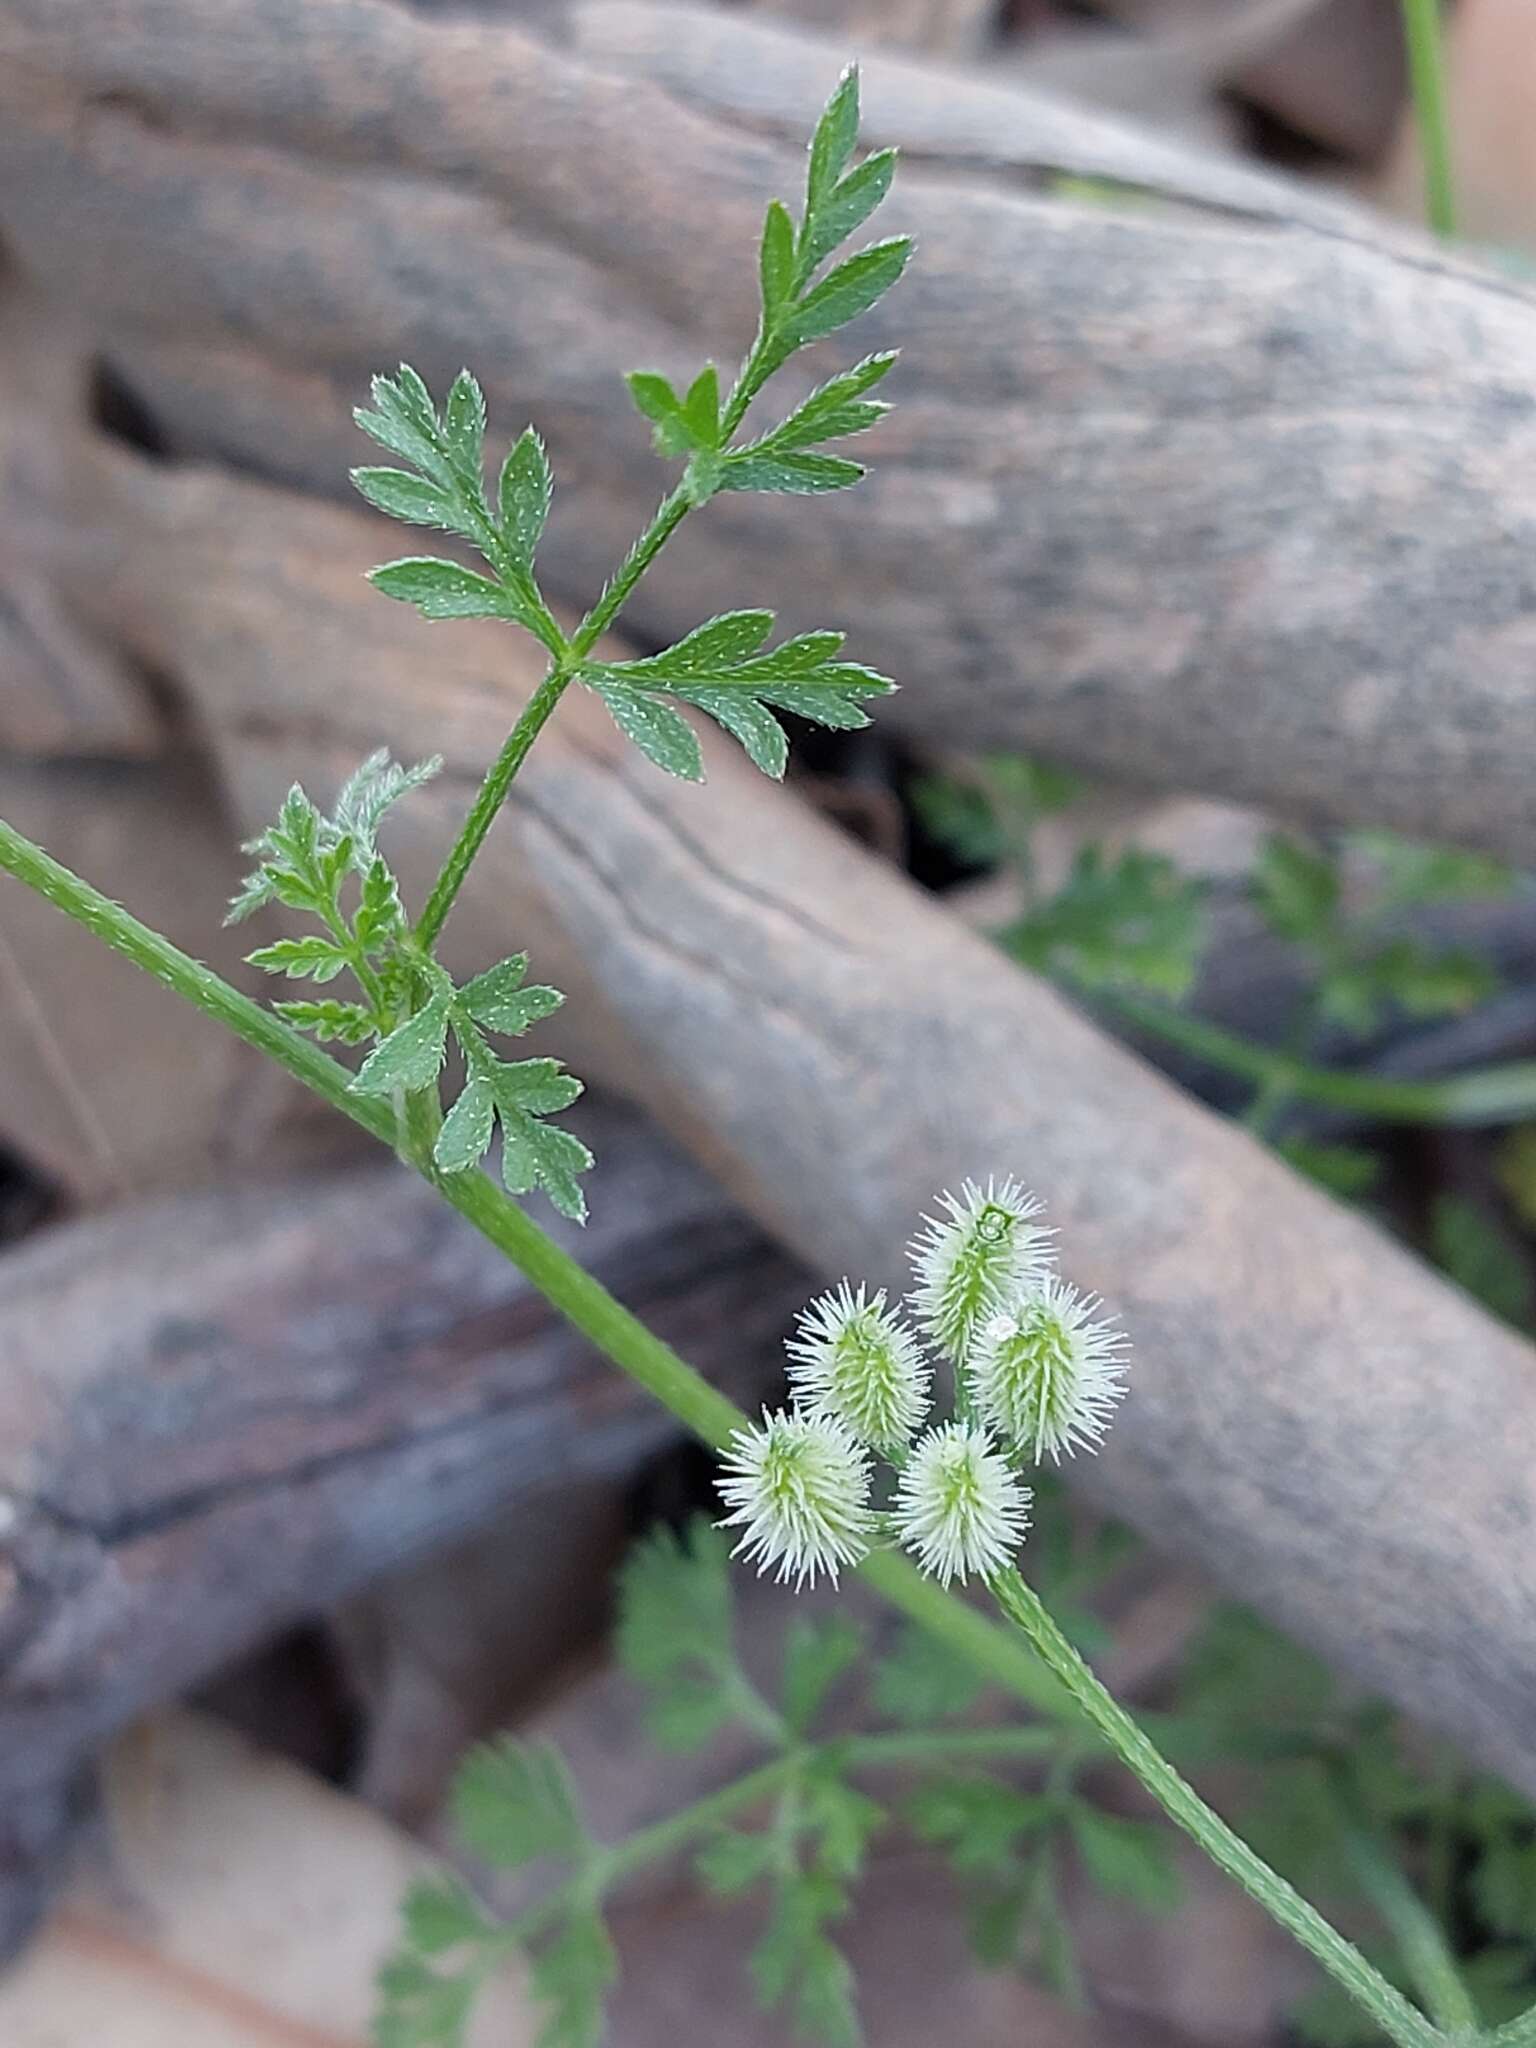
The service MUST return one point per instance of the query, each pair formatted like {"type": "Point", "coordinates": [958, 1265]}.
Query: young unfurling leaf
{"type": "Point", "coordinates": [368, 793]}
{"type": "Point", "coordinates": [313, 959]}
{"type": "Point", "coordinates": [659, 403]}
{"type": "Point", "coordinates": [380, 912]}
{"type": "Point", "coordinates": [349, 1023]}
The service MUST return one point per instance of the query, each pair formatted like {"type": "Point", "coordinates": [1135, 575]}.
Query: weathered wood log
{"type": "Point", "coordinates": [110, 1087]}
{"type": "Point", "coordinates": [1347, 1440]}
{"type": "Point", "coordinates": [62, 690]}
{"type": "Point", "coordinates": [1226, 488]}
{"type": "Point", "coordinates": [235, 1902]}
{"type": "Point", "coordinates": [1332, 70]}
{"type": "Point", "coordinates": [935, 28]}
{"type": "Point", "coordinates": [229, 1409]}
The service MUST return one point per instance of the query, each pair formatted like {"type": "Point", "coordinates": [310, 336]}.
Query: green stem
{"type": "Point", "coordinates": [1386, 2005]}
{"type": "Point", "coordinates": [482, 812]}
{"type": "Point", "coordinates": [1419, 1938]}
{"type": "Point", "coordinates": [689, 1397]}
{"type": "Point", "coordinates": [861, 1753]}
{"type": "Point", "coordinates": [1424, 34]}
{"type": "Point", "coordinates": [1490, 1095]}
{"type": "Point", "coordinates": [536, 714]}
{"type": "Point", "coordinates": [750, 379]}
{"type": "Point", "coordinates": [667, 518]}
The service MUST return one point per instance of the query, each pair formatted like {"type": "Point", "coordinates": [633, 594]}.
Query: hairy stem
{"type": "Point", "coordinates": [1399, 2020]}
{"type": "Point", "coordinates": [1490, 1095]}
{"type": "Point", "coordinates": [669, 515]}
{"type": "Point", "coordinates": [1424, 35]}
{"type": "Point", "coordinates": [482, 812]}
{"type": "Point", "coordinates": [667, 518]}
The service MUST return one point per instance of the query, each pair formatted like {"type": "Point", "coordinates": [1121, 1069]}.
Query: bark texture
{"type": "Point", "coordinates": [1207, 482]}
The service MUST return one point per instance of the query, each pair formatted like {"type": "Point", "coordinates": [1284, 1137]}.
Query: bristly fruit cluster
{"type": "Point", "coordinates": [1037, 1373]}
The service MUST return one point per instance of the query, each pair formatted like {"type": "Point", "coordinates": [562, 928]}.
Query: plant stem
{"type": "Point", "coordinates": [536, 713]}
{"type": "Point", "coordinates": [1419, 1938]}
{"type": "Point", "coordinates": [665, 520]}
{"type": "Point", "coordinates": [482, 812]}
{"type": "Point", "coordinates": [862, 1753]}
{"type": "Point", "coordinates": [1489, 1095]}
{"type": "Point", "coordinates": [687, 1395]}
{"type": "Point", "coordinates": [1386, 2005]}
{"type": "Point", "coordinates": [1424, 35]}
